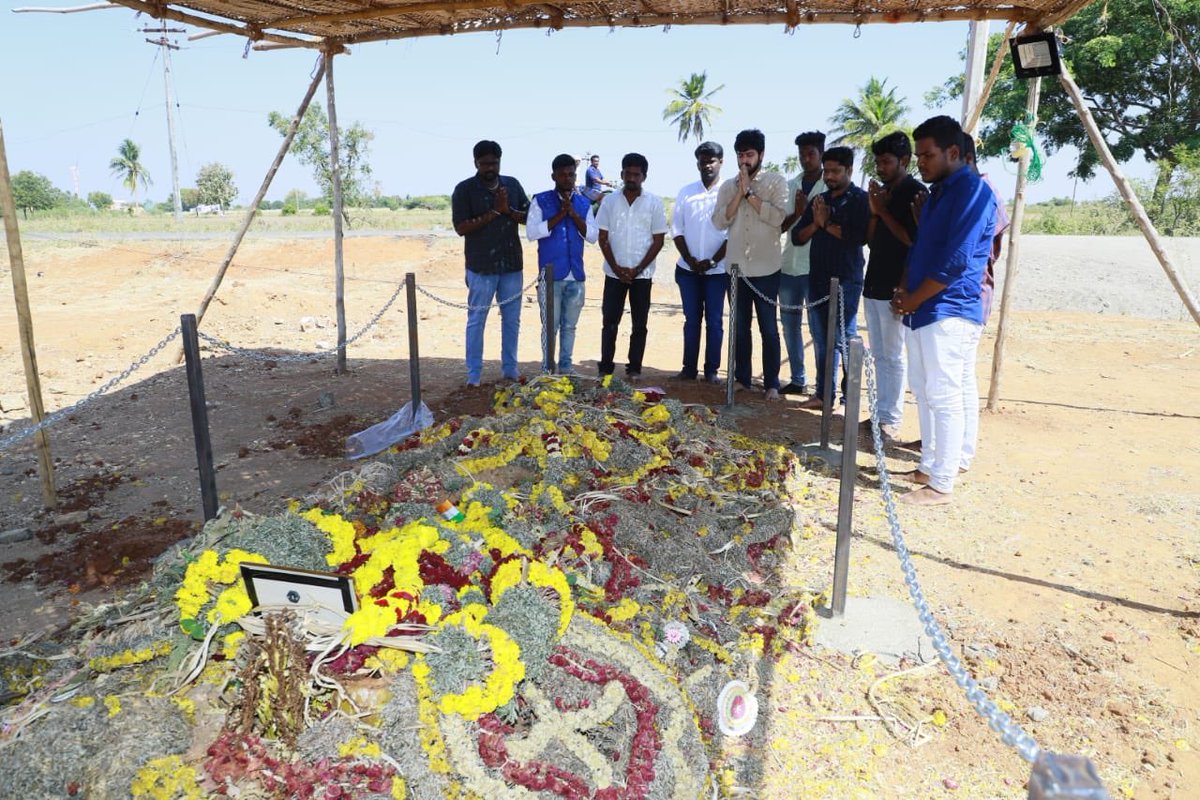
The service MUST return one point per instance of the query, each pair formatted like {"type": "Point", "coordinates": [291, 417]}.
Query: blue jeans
{"type": "Point", "coordinates": [568, 303]}
{"type": "Point", "coordinates": [818, 320]}
{"type": "Point", "coordinates": [482, 291]}
{"type": "Point", "coordinates": [703, 298]}
{"type": "Point", "coordinates": [748, 301]}
{"type": "Point", "coordinates": [793, 291]}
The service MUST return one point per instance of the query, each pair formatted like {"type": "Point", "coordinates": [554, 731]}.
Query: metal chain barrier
{"type": "Point", "coordinates": [50, 419]}
{"type": "Point", "coordinates": [469, 307]}
{"type": "Point", "coordinates": [775, 302]}
{"type": "Point", "coordinates": [255, 355]}
{"type": "Point", "coordinates": [1010, 731]}
{"type": "Point", "coordinates": [543, 299]}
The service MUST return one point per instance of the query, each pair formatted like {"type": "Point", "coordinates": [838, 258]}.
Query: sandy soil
{"type": "Point", "coordinates": [1068, 569]}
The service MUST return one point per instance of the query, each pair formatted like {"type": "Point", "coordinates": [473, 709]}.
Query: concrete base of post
{"type": "Point", "coordinates": [887, 627]}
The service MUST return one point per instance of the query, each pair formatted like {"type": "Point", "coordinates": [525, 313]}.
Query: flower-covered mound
{"type": "Point", "coordinates": [564, 636]}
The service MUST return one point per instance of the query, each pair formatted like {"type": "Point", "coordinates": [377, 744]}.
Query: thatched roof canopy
{"type": "Point", "coordinates": [325, 24]}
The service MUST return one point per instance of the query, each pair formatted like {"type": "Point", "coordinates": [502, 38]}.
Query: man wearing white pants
{"type": "Point", "coordinates": [940, 298]}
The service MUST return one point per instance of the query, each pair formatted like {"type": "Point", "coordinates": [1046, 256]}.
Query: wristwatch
{"type": "Point", "coordinates": [749, 194]}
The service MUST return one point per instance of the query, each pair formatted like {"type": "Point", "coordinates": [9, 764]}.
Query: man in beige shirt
{"type": "Point", "coordinates": [752, 207]}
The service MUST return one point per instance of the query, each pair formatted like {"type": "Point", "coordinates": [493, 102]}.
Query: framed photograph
{"type": "Point", "coordinates": [331, 597]}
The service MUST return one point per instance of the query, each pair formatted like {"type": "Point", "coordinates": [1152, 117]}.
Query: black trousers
{"type": "Point", "coordinates": [612, 309]}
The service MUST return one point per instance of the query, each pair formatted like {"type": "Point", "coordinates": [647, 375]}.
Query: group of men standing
{"type": "Point", "coordinates": [925, 289]}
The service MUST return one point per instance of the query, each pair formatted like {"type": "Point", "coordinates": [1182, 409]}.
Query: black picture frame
{"type": "Point", "coordinates": [329, 583]}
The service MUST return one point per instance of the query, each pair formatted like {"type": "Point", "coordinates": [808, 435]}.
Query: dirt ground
{"type": "Point", "coordinates": [1068, 569]}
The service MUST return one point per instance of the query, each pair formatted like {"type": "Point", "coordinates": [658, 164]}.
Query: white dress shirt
{"type": "Point", "coordinates": [631, 228]}
{"type": "Point", "coordinates": [692, 219]}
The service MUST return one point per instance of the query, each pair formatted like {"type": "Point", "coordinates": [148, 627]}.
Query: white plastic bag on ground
{"type": "Point", "coordinates": [395, 428]}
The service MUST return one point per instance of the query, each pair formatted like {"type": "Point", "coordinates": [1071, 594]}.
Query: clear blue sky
{"type": "Point", "coordinates": [75, 85]}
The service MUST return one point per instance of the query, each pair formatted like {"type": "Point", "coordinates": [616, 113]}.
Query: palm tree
{"type": "Point", "coordinates": [128, 168]}
{"type": "Point", "coordinates": [688, 109]}
{"type": "Point", "coordinates": [877, 111]}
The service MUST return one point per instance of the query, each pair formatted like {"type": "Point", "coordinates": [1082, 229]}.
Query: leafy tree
{"type": "Point", "coordinates": [34, 192]}
{"type": "Point", "coordinates": [100, 201]}
{"type": "Point", "coordinates": [311, 148]}
{"type": "Point", "coordinates": [876, 111]}
{"type": "Point", "coordinates": [214, 184]}
{"type": "Point", "coordinates": [689, 110]}
{"type": "Point", "coordinates": [128, 167]}
{"type": "Point", "coordinates": [1137, 64]}
{"type": "Point", "coordinates": [189, 198]}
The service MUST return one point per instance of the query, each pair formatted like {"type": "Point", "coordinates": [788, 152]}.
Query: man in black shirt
{"type": "Point", "coordinates": [486, 210]}
{"type": "Point", "coordinates": [836, 224]}
{"type": "Point", "coordinates": [889, 235]}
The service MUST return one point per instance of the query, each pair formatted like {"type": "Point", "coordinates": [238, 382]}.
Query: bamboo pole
{"type": "Point", "coordinates": [1014, 251]}
{"type": "Point", "coordinates": [997, 62]}
{"type": "Point", "coordinates": [258, 198]}
{"type": "Point", "coordinates": [338, 204]}
{"type": "Point", "coordinates": [33, 384]}
{"type": "Point", "coordinates": [1135, 206]}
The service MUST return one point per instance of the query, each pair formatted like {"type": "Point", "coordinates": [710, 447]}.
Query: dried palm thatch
{"type": "Point", "coordinates": [330, 24]}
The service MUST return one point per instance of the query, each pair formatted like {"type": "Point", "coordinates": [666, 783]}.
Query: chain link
{"type": "Point", "coordinates": [50, 419]}
{"type": "Point", "coordinates": [255, 355]}
{"type": "Point", "coordinates": [469, 307]}
{"type": "Point", "coordinates": [544, 301]}
{"type": "Point", "coordinates": [775, 301]}
{"type": "Point", "coordinates": [1010, 731]}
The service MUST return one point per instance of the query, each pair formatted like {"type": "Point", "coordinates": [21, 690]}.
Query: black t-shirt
{"type": "Point", "coordinates": [888, 254]}
{"type": "Point", "coordinates": [829, 256]}
{"type": "Point", "coordinates": [494, 249]}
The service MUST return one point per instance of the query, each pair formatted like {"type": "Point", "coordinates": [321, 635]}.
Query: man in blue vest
{"type": "Point", "coordinates": [560, 222]}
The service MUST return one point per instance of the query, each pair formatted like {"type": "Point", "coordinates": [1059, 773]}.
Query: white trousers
{"type": "Point", "coordinates": [886, 332]}
{"type": "Point", "coordinates": [941, 375]}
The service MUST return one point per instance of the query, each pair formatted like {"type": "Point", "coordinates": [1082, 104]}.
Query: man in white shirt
{"type": "Point", "coordinates": [751, 207]}
{"type": "Point", "coordinates": [561, 222]}
{"type": "Point", "coordinates": [700, 272]}
{"type": "Point", "coordinates": [633, 226]}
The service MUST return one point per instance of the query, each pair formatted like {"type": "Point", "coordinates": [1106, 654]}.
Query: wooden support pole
{"type": "Point", "coordinates": [33, 384]}
{"type": "Point", "coordinates": [258, 198]}
{"type": "Point", "coordinates": [977, 41]}
{"type": "Point", "coordinates": [1135, 206]}
{"type": "Point", "coordinates": [976, 112]}
{"type": "Point", "coordinates": [1014, 252]}
{"type": "Point", "coordinates": [335, 169]}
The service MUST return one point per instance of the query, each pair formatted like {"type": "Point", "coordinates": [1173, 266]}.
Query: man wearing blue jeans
{"type": "Point", "coordinates": [794, 268]}
{"type": "Point", "coordinates": [700, 271]}
{"type": "Point", "coordinates": [560, 222]}
{"type": "Point", "coordinates": [943, 307]}
{"type": "Point", "coordinates": [486, 210]}
{"type": "Point", "coordinates": [836, 224]}
{"type": "Point", "coordinates": [750, 207]}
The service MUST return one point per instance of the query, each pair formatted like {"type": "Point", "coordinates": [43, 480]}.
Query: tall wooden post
{"type": "Point", "coordinates": [33, 383]}
{"type": "Point", "coordinates": [1135, 206]}
{"type": "Point", "coordinates": [335, 168]}
{"type": "Point", "coordinates": [252, 211]}
{"type": "Point", "coordinates": [1014, 251]}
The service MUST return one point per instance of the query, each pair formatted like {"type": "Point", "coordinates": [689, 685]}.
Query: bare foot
{"type": "Point", "coordinates": [773, 395]}
{"type": "Point", "coordinates": [927, 496]}
{"type": "Point", "coordinates": [914, 476]}
{"type": "Point", "coordinates": [813, 404]}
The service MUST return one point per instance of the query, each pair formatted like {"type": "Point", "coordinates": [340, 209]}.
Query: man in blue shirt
{"type": "Point", "coordinates": [941, 299]}
{"type": "Point", "coordinates": [486, 210]}
{"type": "Point", "coordinates": [593, 181]}
{"type": "Point", "coordinates": [836, 224]}
{"type": "Point", "coordinates": [560, 221]}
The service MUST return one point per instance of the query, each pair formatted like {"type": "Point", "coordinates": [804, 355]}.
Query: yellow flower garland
{"type": "Point", "coordinates": [507, 670]}
{"type": "Point", "coordinates": [540, 574]}
{"type": "Point", "coordinates": [166, 778]}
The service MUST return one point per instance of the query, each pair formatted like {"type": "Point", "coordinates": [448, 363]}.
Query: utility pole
{"type": "Point", "coordinates": [977, 41]}
{"type": "Point", "coordinates": [167, 47]}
